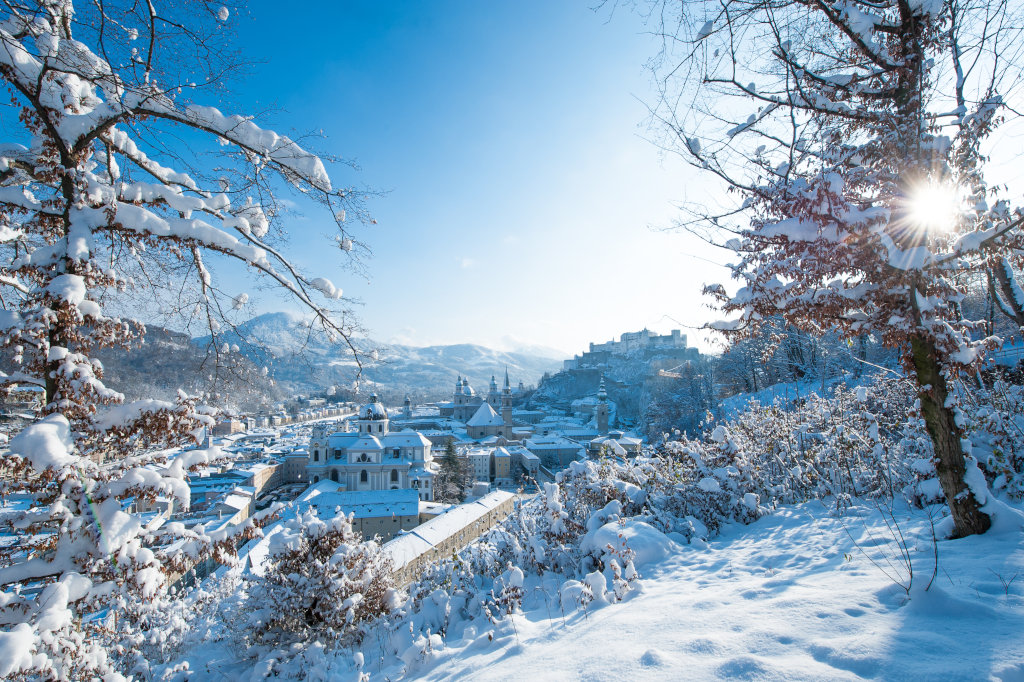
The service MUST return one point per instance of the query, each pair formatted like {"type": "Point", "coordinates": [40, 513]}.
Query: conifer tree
{"type": "Point", "coordinates": [453, 477]}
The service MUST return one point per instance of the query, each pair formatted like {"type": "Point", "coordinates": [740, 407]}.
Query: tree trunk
{"type": "Point", "coordinates": [950, 464]}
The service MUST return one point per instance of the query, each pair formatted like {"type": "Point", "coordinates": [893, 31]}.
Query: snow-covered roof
{"type": "Point", "coordinates": [611, 443]}
{"type": "Point", "coordinates": [520, 451]}
{"type": "Point", "coordinates": [619, 436]}
{"type": "Point", "coordinates": [236, 501]}
{"type": "Point", "coordinates": [417, 471]}
{"type": "Point", "coordinates": [342, 439]}
{"type": "Point", "coordinates": [548, 442]}
{"type": "Point", "coordinates": [485, 416]}
{"type": "Point", "coordinates": [367, 443]}
{"type": "Point", "coordinates": [327, 496]}
{"type": "Point", "coordinates": [406, 438]}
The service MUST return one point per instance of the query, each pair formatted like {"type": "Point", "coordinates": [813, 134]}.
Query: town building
{"type": "Point", "coordinates": [615, 444]}
{"type": "Point", "coordinates": [372, 457]}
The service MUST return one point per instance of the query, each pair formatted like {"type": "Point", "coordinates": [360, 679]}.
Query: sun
{"type": "Point", "coordinates": [933, 207]}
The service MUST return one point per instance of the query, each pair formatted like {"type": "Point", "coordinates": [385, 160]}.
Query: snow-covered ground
{"type": "Point", "coordinates": [799, 595]}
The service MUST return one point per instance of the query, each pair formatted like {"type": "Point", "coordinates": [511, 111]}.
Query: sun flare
{"type": "Point", "coordinates": [933, 207]}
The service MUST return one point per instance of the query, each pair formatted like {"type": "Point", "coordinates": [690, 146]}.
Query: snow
{"type": "Point", "coordinates": [68, 288]}
{"type": "Point", "coordinates": [326, 287]}
{"type": "Point", "coordinates": [47, 443]}
{"type": "Point", "coordinates": [794, 596]}
{"type": "Point", "coordinates": [16, 649]}
{"type": "Point", "coordinates": [242, 131]}
{"type": "Point", "coordinates": [649, 544]}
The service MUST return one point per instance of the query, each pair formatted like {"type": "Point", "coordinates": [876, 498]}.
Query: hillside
{"type": "Point", "coordinates": [800, 594]}
{"type": "Point", "coordinates": [168, 360]}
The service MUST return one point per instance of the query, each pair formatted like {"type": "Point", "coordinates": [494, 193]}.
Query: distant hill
{"type": "Point", "coordinates": [168, 360]}
{"type": "Point", "coordinates": [303, 362]}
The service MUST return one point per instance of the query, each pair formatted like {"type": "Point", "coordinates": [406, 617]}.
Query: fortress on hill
{"type": "Point", "coordinates": [644, 344]}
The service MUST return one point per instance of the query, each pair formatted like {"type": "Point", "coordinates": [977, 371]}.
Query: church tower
{"type": "Point", "coordinates": [407, 408]}
{"type": "Point", "coordinates": [492, 394]}
{"type": "Point", "coordinates": [601, 410]}
{"type": "Point", "coordinates": [506, 406]}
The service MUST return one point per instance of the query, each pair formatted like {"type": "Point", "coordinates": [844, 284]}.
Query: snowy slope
{"type": "Point", "coordinates": [791, 597]}
{"type": "Point", "coordinates": [798, 595]}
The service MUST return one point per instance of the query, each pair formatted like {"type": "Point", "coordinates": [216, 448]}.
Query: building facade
{"type": "Point", "coordinates": [372, 457]}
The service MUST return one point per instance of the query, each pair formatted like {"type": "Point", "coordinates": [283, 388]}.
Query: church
{"type": "Point", "coordinates": [481, 415]}
{"type": "Point", "coordinates": [372, 457]}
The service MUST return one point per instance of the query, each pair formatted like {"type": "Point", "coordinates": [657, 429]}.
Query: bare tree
{"type": "Point", "coordinates": [852, 133]}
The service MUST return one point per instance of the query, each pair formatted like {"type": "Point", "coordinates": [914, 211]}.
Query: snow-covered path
{"type": "Point", "coordinates": [791, 597]}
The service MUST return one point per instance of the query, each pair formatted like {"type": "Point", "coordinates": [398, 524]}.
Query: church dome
{"type": "Point", "coordinates": [373, 410]}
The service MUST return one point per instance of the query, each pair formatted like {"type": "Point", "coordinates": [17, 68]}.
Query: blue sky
{"type": "Point", "coordinates": [520, 191]}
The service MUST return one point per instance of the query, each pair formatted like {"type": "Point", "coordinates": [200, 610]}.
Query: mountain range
{"type": "Point", "coordinates": [304, 362]}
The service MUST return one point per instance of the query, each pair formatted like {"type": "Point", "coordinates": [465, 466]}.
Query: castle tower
{"type": "Point", "coordinates": [372, 418]}
{"type": "Point", "coordinates": [601, 411]}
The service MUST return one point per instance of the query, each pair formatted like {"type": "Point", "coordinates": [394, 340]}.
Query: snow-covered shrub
{"type": "Point", "coordinates": [858, 442]}
{"type": "Point", "coordinates": [993, 419]}
{"type": "Point", "coordinates": [87, 583]}
{"type": "Point", "coordinates": [322, 581]}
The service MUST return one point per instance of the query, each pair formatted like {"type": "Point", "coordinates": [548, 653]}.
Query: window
{"type": "Point", "coordinates": [394, 475]}
{"type": "Point", "coordinates": [334, 475]}
{"type": "Point", "coordinates": [316, 455]}
{"type": "Point", "coordinates": [380, 427]}
{"type": "Point", "coordinates": [363, 477]}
